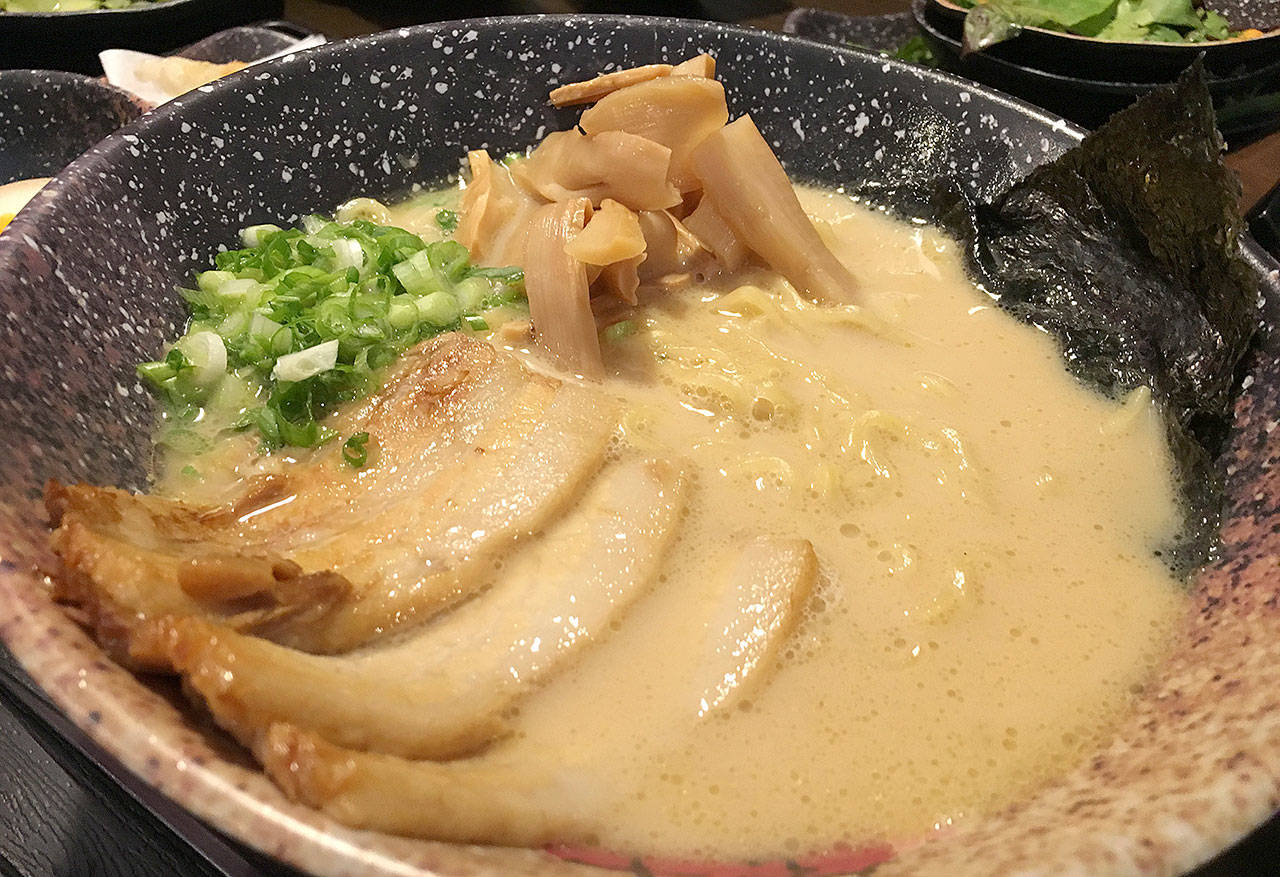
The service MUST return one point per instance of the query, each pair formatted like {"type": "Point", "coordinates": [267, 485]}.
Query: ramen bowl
{"type": "Point", "coordinates": [87, 275]}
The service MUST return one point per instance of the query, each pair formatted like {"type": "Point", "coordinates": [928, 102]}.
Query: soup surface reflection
{"type": "Point", "coordinates": [989, 595]}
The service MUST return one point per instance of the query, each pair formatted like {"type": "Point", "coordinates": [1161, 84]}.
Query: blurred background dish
{"type": "Point", "coordinates": [72, 40]}
{"type": "Point", "coordinates": [49, 117]}
{"type": "Point", "coordinates": [1246, 96]}
{"type": "Point", "coordinates": [1091, 58]}
{"type": "Point", "coordinates": [157, 79]}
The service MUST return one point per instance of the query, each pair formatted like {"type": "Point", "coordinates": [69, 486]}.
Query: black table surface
{"type": "Point", "coordinates": [69, 809]}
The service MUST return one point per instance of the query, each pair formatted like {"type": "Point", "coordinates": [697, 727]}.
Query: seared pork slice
{"type": "Point", "coordinates": [120, 582]}
{"type": "Point", "coordinates": [448, 402]}
{"type": "Point", "coordinates": [442, 692]}
{"type": "Point", "coordinates": [483, 800]}
{"type": "Point", "coordinates": [473, 451]}
{"type": "Point", "coordinates": [750, 190]}
{"type": "Point", "coordinates": [417, 558]}
{"type": "Point", "coordinates": [760, 606]}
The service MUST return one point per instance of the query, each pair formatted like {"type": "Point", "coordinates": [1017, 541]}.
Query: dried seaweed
{"type": "Point", "coordinates": [1126, 249]}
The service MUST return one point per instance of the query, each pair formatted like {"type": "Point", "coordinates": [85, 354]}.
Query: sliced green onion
{"type": "Point", "coordinates": [306, 363]}
{"type": "Point", "coordinates": [154, 374]}
{"type": "Point", "coordinates": [212, 281]}
{"type": "Point", "coordinates": [447, 220]}
{"type": "Point", "coordinates": [207, 354]}
{"type": "Point", "coordinates": [440, 309]}
{"type": "Point", "coordinates": [354, 450]}
{"type": "Point", "coordinates": [472, 293]}
{"type": "Point", "coordinates": [255, 235]}
{"type": "Point", "coordinates": [303, 319]}
{"type": "Point", "coordinates": [417, 275]}
{"type": "Point", "coordinates": [620, 330]}
{"type": "Point", "coordinates": [403, 313]}
{"type": "Point", "coordinates": [348, 253]}
{"type": "Point", "coordinates": [450, 259]}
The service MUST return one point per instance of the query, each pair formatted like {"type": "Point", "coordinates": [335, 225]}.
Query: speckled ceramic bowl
{"type": "Point", "coordinates": [48, 117]}
{"type": "Point", "coordinates": [86, 278]}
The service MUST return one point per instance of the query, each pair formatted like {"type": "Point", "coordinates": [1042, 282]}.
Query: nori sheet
{"type": "Point", "coordinates": [1127, 250]}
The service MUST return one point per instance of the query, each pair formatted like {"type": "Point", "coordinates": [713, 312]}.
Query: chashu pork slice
{"type": "Point", "coordinates": [445, 399]}
{"type": "Point", "coordinates": [480, 800]}
{"type": "Point", "coordinates": [473, 451]}
{"type": "Point", "coordinates": [442, 690]}
{"type": "Point", "coordinates": [759, 607]}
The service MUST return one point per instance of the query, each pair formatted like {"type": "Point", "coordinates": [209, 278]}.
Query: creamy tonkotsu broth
{"type": "Point", "coordinates": [628, 499]}
{"type": "Point", "coordinates": [989, 599]}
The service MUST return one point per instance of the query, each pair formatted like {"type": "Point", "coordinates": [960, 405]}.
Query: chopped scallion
{"type": "Point", "coordinates": [303, 319]}
{"type": "Point", "coordinates": [447, 220]}
{"type": "Point", "coordinates": [620, 330]}
{"type": "Point", "coordinates": [355, 450]}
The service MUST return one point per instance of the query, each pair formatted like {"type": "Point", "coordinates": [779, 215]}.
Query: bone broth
{"type": "Point", "coordinates": [758, 531]}
{"type": "Point", "coordinates": [988, 597]}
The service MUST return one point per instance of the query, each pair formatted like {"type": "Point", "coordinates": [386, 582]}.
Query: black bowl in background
{"type": "Point", "coordinates": [72, 40]}
{"type": "Point", "coordinates": [246, 43]}
{"type": "Point", "coordinates": [49, 117]}
{"type": "Point", "coordinates": [1087, 58]}
{"type": "Point", "coordinates": [876, 33]}
{"type": "Point", "coordinates": [1089, 102]}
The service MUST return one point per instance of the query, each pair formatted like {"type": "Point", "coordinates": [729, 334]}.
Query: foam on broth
{"type": "Point", "coordinates": [990, 601]}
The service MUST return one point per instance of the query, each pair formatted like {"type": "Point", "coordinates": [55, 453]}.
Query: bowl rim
{"type": "Point", "coordinates": [101, 92]}
{"type": "Point", "coordinates": [1138, 45]}
{"type": "Point", "coordinates": [66, 77]}
{"type": "Point", "coordinates": [318, 842]}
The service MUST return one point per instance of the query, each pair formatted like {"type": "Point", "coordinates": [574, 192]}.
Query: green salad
{"type": "Point", "coordinates": [303, 319]}
{"type": "Point", "coordinates": [67, 5]}
{"type": "Point", "coordinates": [1124, 20]}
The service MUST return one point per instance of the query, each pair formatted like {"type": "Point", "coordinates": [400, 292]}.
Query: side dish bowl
{"type": "Point", "coordinates": [1091, 58]}
{"type": "Point", "coordinates": [72, 40]}
{"type": "Point", "coordinates": [87, 275]}
{"type": "Point", "coordinates": [50, 117]}
{"type": "Point", "coordinates": [1090, 96]}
